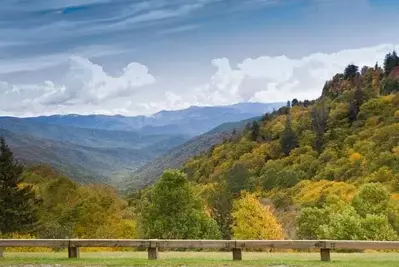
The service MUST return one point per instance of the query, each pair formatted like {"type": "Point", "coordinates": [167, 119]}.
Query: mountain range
{"type": "Point", "coordinates": [135, 150]}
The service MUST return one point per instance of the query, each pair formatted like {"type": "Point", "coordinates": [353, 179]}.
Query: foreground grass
{"type": "Point", "coordinates": [204, 259]}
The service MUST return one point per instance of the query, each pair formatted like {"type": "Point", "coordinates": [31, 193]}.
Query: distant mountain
{"type": "Point", "coordinates": [84, 154]}
{"type": "Point", "coordinates": [89, 137]}
{"type": "Point", "coordinates": [191, 121]}
{"type": "Point", "coordinates": [176, 157]}
{"type": "Point", "coordinates": [83, 164]}
{"type": "Point", "coordinates": [109, 148]}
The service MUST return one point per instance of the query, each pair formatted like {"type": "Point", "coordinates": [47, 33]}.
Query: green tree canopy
{"type": "Point", "coordinates": [17, 201]}
{"type": "Point", "coordinates": [171, 210]}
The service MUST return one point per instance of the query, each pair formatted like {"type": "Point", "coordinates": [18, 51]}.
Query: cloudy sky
{"type": "Point", "coordinates": [140, 56]}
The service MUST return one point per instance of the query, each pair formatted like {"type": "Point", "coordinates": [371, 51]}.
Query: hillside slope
{"type": "Point", "coordinates": [175, 158]}
{"type": "Point", "coordinates": [82, 163]}
{"type": "Point", "coordinates": [328, 168]}
{"type": "Point", "coordinates": [89, 137]}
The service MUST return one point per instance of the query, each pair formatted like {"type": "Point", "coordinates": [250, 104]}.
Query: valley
{"type": "Point", "coordinates": [109, 149]}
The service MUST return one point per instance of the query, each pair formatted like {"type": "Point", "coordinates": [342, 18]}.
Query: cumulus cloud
{"type": "Point", "coordinates": [268, 79]}
{"type": "Point", "coordinates": [84, 84]}
{"type": "Point", "coordinates": [87, 88]}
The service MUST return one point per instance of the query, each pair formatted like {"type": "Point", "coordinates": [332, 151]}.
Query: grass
{"type": "Point", "coordinates": [203, 259]}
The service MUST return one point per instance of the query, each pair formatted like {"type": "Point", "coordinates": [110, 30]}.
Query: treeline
{"type": "Point", "coordinates": [322, 169]}
{"type": "Point", "coordinates": [39, 202]}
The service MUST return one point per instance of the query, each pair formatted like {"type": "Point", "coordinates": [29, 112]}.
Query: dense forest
{"type": "Point", "coordinates": [320, 169]}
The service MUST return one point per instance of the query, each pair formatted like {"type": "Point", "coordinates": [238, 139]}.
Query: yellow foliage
{"type": "Point", "coordinates": [395, 196]}
{"type": "Point", "coordinates": [355, 157]}
{"type": "Point", "coordinates": [388, 99]}
{"type": "Point", "coordinates": [278, 125]}
{"type": "Point", "coordinates": [252, 220]}
{"type": "Point", "coordinates": [310, 192]}
{"type": "Point", "coordinates": [397, 115]}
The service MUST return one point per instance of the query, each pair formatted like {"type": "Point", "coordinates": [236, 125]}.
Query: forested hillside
{"type": "Point", "coordinates": [176, 157]}
{"type": "Point", "coordinates": [325, 169]}
{"type": "Point", "coordinates": [321, 169]}
{"type": "Point", "coordinates": [83, 163]}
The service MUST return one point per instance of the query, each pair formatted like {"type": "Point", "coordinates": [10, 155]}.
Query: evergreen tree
{"type": "Point", "coordinates": [354, 106]}
{"type": "Point", "coordinates": [255, 131]}
{"type": "Point", "coordinates": [294, 102]}
{"type": "Point", "coordinates": [221, 202]}
{"type": "Point", "coordinates": [351, 71]}
{"type": "Point", "coordinates": [237, 179]}
{"type": "Point", "coordinates": [17, 202]}
{"type": "Point", "coordinates": [288, 140]}
{"type": "Point", "coordinates": [391, 61]}
{"type": "Point", "coordinates": [319, 116]}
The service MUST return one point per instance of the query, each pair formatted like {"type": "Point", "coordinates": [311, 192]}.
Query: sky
{"type": "Point", "coordinates": [137, 57]}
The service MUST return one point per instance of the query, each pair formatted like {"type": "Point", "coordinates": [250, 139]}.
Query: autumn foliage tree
{"type": "Point", "coordinates": [252, 220]}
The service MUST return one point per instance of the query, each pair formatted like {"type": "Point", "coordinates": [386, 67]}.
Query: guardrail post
{"type": "Point", "coordinates": [325, 254]}
{"type": "Point", "coordinates": [237, 254]}
{"type": "Point", "coordinates": [1, 253]}
{"type": "Point", "coordinates": [153, 253]}
{"type": "Point", "coordinates": [73, 250]}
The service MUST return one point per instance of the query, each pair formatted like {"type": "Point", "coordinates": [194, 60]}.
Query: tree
{"type": "Point", "coordinates": [390, 62]}
{"type": "Point", "coordinates": [255, 131]}
{"type": "Point", "coordinates": [237, 179]}
{"type": "Point", "coordinates": [354, 106]}
{"type": "Point", "coordinates": [252, 220]}
{"type": "Point", "coordinates": [221, 202]}
{"type": "Point", "coordinates": [372, 198]}
{"type": "Point", "coordinates": [377, 227]}
{"type": "Point", "coordinates": [309, 221]}
{"type": "Point", "coordinates": [295, 102]}
{"type": "Point", "coordinates": [351, 71]}
{"type": "Point", "coordinates": [319, 116]}
{"type": "Point", "coordinates": [288, 140]}
{"type": "Point", "coordinates": [17, 202]}
{"type": "Point", "coordinates": [171, 210]}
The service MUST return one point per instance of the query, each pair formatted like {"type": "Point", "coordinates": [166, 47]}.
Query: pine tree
{"type": "Point", "coordinates": [391, 61]}
{"type": "Point", "coordinates": [288, 140]}
{"type": "Point", "coordinates": [17, 202]}
{"type": "Point", "coordinates": [351, 71]}
{"type": "Point", "coordinates": [255, 128]}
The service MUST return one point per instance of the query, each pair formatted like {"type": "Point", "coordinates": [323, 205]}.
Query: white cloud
{"type": "Point", "coordinates": [84, 85]}
{"type": "Point", "coordinates": [86, 88]}
{"type": "Point", "coordinates": [268, 79]}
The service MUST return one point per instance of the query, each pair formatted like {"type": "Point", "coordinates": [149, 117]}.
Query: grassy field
{"type": "Point", "coordinates": [202, 259]}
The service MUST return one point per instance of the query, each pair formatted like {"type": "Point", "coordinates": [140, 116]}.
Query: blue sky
{"type": "Point", "coordinates": [141, 56]}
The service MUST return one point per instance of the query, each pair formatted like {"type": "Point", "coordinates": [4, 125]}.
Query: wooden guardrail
{"type": "Point", "coordinates": [236, 246]}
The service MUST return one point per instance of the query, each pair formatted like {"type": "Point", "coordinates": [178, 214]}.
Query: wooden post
{"type": "Point", "coordinates": [73, 252]}
{"type": "Point", "coordinates": [153, 253]}
{"type": "Point", "coordinates": [237, 254]}
{"type": "Point", "coordinates": [1, 253]}
{"type": "Point", "coordinates": [325, 254]}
